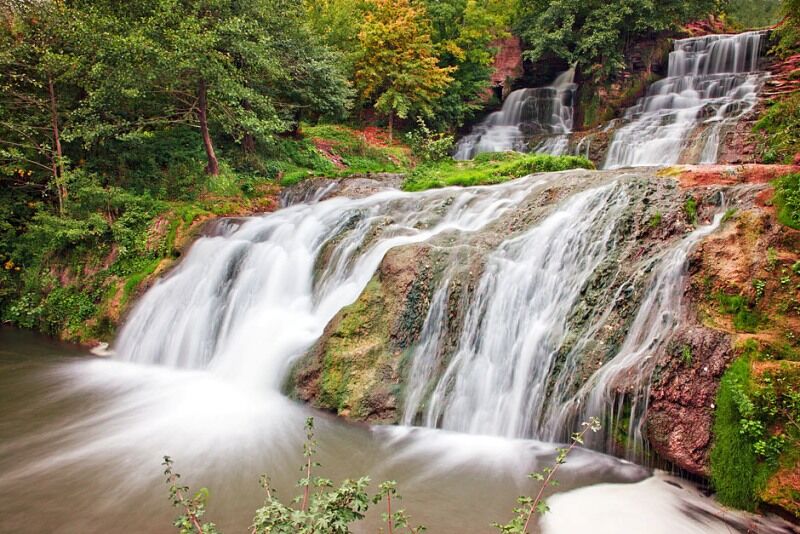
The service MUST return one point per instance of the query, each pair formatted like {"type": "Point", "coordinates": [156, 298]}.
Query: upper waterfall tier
{"type": "Point", "coordinates": [712, 82]}
{"type": "Point", "coordinates": [545, 113]}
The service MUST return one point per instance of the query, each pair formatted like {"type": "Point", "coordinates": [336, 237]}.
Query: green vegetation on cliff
{"type": "Point", "coordinates": [756, 430]}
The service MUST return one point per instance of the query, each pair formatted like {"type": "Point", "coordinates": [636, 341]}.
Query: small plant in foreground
{"type": "Point", "coordinates": [322, 509]}
{"type": "Point", "coordinates": [530, 506]}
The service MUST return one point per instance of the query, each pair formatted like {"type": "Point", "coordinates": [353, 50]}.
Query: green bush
{"type": "Point", "coordinates": [427, 145]}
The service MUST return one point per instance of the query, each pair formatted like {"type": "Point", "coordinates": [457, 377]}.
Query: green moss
{"type": "Point", "coordinates": [488, 169]}
{"type": "Point", "coordinates": [745, 319]}
{"type": "Point", "coordinates": [352, 352]}
{"type": "Point", "coordinates": [736, 473]}
{"type": "Point", "coordinates": [134, 281]}
{"type": "Point", "coordinates": [787, 200]}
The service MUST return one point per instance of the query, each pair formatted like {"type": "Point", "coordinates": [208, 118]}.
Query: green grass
{"type": "Point", "coordinates": [488, 169]}
{"type": "Point", "coordinates": [736, 473]}
{"type": "Point", "coordinates": [690, 208]}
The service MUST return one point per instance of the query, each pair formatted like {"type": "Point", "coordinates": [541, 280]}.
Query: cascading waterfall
{"type": "Point", "coordinates": [256, 294]}
{"type": "Point", "coordinates": [544, 113]}
{"type": "Point", "coordinates": [246, 302]}
{"type": "Point", "coordinates": [496, 380]}
{"type": "Point", "coordinates": [712, 82]}
{"type": "Point", "coordinates": [659, 314]}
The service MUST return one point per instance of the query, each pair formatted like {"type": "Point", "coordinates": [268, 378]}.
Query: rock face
{"type": "Point", "coordinates": [354, 370]}
{"type": "Point", "coordinates": [507, 65]}
{"type": "Point", "coordinates": [681, 410]}
{"type": "Point", "coordinates": [360, 368]}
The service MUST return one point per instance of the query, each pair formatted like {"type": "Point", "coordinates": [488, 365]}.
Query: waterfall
{"type": "Point", "coordinates": [544, 113]}
{"type": "Point", "coordinates": [495, 382]}
{"type": "Point", "coordinates": [254, 295]}
{"type": "Point", "coordinates": [712, 82]}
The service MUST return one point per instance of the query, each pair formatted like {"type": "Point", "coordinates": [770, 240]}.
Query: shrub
{"type": "Point", "coordinates": [427, 145]}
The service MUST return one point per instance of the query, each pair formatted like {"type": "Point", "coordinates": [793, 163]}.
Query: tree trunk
{"type": "Point", "coordinates": [391, 126]}
{"type": "Point", "coordinates": [58, 160]}
{"type": "Point", "coordinates": [249, 140]}
{"type": "Point", "coordinates": [202, 115]}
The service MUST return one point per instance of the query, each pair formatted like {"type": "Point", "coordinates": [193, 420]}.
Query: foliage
{"type": "Point", "coordinates": [397, 67]}
{"type": "Point", "coordinates": [490, 168]}
{"type": "Point", "coordinates": [429, 146]}
{"type": "Point", "coordinates": [464, 33]}
{"type": "Point", "coordinates": [530, 506]}
{"type": "Point", "coordinates": [756, 425]}
{"type": "Point", "coordinates": [321, 507]}
{"type": "Point", "coordinates": [781, 127]}
{"type": "Point", "coordinates": [594, 35]}
{"type": "Point", "coordinates": [787, 200]}
{"type": "Point", "coordinates": [747, 14]}
{"type": "Point", "coordinates": [789, 32]}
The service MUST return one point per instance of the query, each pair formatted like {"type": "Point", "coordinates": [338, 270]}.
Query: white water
{"type": "Point", "coordinates": [546, 112]}
{"type": "Point", "coordinates": [659, 313]}
{"type": "Point", "coordinates": [209, 345]}
{"type": "Point", "coordinates": [495, 382]}
{"type": "Point", "coordinates": [712, 82]}
{"type": "Point", "coordinates": [246, 303]}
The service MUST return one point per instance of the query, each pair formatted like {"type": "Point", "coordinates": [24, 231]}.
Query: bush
{"type": "Point", "coordinates": [429, 146]}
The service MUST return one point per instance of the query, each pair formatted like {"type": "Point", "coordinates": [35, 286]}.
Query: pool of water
{"type": "Point", "coordinates": [82, 439]}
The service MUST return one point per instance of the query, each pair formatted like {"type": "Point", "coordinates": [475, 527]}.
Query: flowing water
{"type": "Point", "coordinates": [199, 365]}
{"type": "Point", "coordinates": [544, 114]}
{"type": "Point", "coordinates": [712, 82]}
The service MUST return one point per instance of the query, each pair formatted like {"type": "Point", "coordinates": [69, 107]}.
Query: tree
{"type": "Point", "coordinates": [245, 70]}
{"type": "Point", "coordinates": [397, 68]}
{"type": "Point", "coordinates": [464, 33]}
{"type": "Point", "coordinates": [594, 34]}
{"type": "Point", "coordinates": [35, 60]}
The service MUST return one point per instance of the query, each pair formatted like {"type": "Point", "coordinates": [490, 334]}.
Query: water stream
{"type": "Point", "coordinates": [544, 114]}
{"type": "Point", "coordinates": [712, 82]}
{"type": "Point", "coordinates": [199, 365]}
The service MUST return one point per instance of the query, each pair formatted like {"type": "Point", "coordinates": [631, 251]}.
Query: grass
{"type": "Point", "coordinates": [690, 208]}
{"type": "Point", "coordinates": [486, 169]}
{"type": "Point", "coordinates": [780, 123]}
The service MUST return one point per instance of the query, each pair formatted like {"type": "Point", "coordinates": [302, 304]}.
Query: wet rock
{"type": "Point", "coordinates": [681, 410]}
{"type": "Point", "coordinates": [354, 368]}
